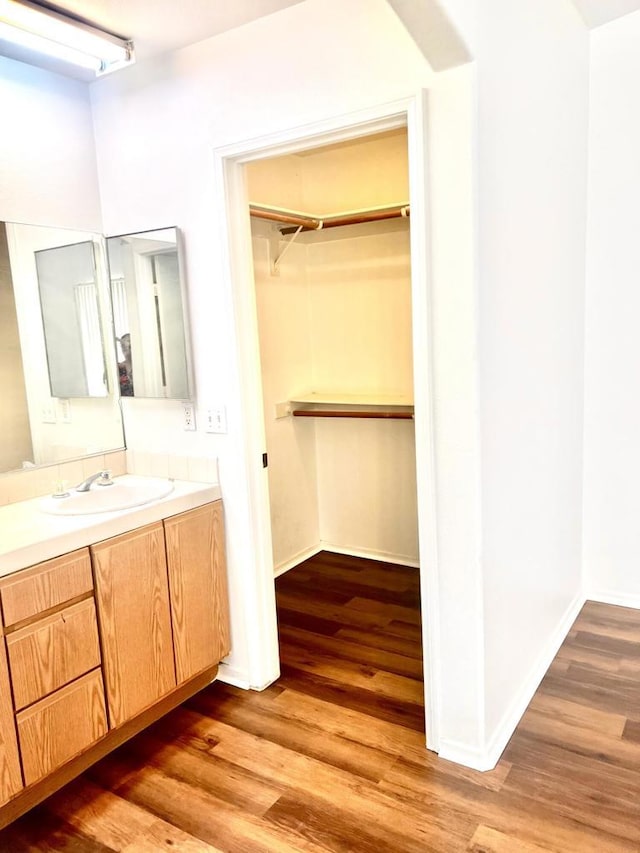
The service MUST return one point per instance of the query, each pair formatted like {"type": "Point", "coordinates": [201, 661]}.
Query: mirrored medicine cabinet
{"type": "Point", "coordinates": [84, 321]}
{"type": "Point", "coordinates": [149, 318]}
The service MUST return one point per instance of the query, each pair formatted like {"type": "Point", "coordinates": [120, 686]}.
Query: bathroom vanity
{"type": "Point", "coordinates": [108, 621]}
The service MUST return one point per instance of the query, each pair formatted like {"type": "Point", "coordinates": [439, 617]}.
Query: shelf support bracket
{"type": "Point", "coordinates": [275, 263]}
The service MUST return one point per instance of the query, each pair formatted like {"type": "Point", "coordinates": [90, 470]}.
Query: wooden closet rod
{"type": "Point", "coordinates": [310, 223]}
{"type": "Point", "coordinates": [343, 413]}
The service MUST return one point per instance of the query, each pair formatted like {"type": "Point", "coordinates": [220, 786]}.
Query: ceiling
{"type": "Point", "coordinates": [158, 26]}
{"type": "Point", "coordinates": [155, 26]}
{"type": "Point", "coordinates": [598, 12]}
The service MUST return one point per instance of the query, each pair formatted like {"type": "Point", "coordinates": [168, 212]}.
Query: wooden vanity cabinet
{"type": "Point", "coordinates": [83, 669]}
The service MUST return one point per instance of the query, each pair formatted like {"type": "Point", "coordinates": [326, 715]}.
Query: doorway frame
{"type": "Point", "coordinates": [231, 200]}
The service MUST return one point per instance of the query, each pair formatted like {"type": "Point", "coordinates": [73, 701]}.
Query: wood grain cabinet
{"type": "Point", "coordinates": [99, 643]}
{"type": "Point", "coordinates": [61, 726]}
{"type": "Point", "coordinates": [51, 643]}
{"type": "Point", "coordinates": [162, 606]}
{"type": "Point", "coordinates": [198, 589]}
{"type": "Point", "coordinates": [132, 593]}
{"type": "Point", "coordinates": [10, 771]}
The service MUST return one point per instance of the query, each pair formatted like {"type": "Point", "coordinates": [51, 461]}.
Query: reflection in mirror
{"type": "Point", "coordinates": [40, 426]}
{"type": "Point", "coordinates": [147, 293]}
{"type": "Point", "coordinates": [71, 320]}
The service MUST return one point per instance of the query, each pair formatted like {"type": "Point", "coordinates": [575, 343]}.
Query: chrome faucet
{"type": "Point", "coordinates": [103, 478]}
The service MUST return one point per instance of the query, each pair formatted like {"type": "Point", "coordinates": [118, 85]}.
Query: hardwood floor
{"type": "Point", "coordinates": [331, 758]}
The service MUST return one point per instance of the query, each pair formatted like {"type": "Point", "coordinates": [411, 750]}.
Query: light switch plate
{"type": "Point", "coordinates": [216, 420]}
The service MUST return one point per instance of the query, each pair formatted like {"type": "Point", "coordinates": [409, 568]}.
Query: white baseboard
{"type": "Point", "coordinates": [294, 561]}
{"type": "Point", "coordinates": [487, 758]}
{"type": "Point", "coordinates": [370, 554]}
{"type": "Point", "coordinates": [620, 599]}
{"type": "Point", "coordinates": [506, 727]}
{"type": "Point", "coordinates": [366, 553]}
{"type": "Point", "coordinates": [475, 758]}
{"type": "Point", "coordinates": [233, 676]}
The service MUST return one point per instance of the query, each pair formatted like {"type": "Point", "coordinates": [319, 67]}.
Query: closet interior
{"type": "Point", "coordinates": [331, 251]}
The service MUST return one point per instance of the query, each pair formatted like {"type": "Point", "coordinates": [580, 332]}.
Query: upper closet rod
{"type": "Point", "coordinates": [309, 223]}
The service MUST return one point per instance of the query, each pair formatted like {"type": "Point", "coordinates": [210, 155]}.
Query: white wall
{"type": "Point", "coordinates": [156, 126]}
{"type": "Point", "coordinates": [338, 318]}
{"type": "Point", "coordinates": [612, 362]}
{"type": "Point", "coordinates": [282, 303]}
{"type": "Point", "coordinates": [48, 172]}
{"type": "Point", "coordinates": [360, 329]}
{"type": "Point", "coordinates": [533, 108]}
{"type": "Point", "coordinates": [47, 155]}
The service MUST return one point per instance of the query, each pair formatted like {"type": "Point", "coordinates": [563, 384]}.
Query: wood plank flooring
{"type": "Point", "coordinates": [332, 758]}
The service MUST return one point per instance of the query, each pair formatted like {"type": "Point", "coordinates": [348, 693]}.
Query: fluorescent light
{"type": "Point", "coordinates": [37, 28]}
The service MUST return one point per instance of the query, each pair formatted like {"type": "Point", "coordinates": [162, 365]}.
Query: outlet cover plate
{"type": "Point", "coordinates": [189, 416]}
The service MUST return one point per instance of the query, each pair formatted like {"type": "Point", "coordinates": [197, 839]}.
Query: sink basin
{"type": "Point", "coordinates": [123, 494]}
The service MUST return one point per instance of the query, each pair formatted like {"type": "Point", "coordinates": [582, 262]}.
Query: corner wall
{"type": "Point", "coordinates": [612, 360]}
{"type": "Point", "coordinates": [533, 78]}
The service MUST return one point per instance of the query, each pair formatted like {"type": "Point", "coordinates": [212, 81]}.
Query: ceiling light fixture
{"type": "Point", "coordinates": [48, 31]}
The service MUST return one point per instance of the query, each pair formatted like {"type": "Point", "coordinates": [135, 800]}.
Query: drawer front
{"type": "Point", "coordinates": [52, 652]}
{"type": "Point", "coordinates": [61, 726]}
{"type": "Point", "coordinates": [47, 585]}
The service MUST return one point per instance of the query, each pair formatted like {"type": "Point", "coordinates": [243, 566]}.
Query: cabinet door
{"type": "Point", "coordinates": [132, 597]}
{"type": "Point", "coordinates": [197, 579]}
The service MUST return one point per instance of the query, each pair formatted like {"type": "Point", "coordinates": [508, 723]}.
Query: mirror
{"type": "Point", "coordinates": [59, 373]}
{"type": "Point", "coordinates": [149, 314]}
{"type": "Point", "coordinates": [67, 280]}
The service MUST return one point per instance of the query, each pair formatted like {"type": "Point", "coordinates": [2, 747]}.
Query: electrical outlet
{"type": "Point", "coordinates": [216, 420]}
{"type": "Point", "coordinates": [189, 414]}
{"type": "Point", "coordinates": [48, 413]}
{"type": "Point", "coordinates": [64, 407]}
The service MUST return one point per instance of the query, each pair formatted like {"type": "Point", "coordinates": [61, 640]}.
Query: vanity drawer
{"type": "Point", "coordinates": [52, 652]}
{"type": "Point", "coordinates": [45, 586]}
{"type": "Point", "coordinates": [61, 726]}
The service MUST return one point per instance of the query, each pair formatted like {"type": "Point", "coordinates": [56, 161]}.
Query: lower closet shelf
{"type": "Point", "coordinates": [328, 404]}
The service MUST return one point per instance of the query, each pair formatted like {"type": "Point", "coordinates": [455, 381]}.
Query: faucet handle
{"type": "Point", "coordinates": [105, 478]}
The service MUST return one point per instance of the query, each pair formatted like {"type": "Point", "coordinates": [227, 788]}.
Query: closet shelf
{"type": "Point", "coordinates": [334, 405]}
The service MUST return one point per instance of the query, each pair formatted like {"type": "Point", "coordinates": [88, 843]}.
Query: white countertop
{"type": "Point", "coordinates": [29, 536]}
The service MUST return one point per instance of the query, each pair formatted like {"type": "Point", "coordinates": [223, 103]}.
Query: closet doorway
{"type": "Point", "coordinates": [336, 322]}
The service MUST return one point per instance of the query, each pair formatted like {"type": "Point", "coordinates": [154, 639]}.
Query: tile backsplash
{"type": "Point", "coordinates": [37, 482]}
